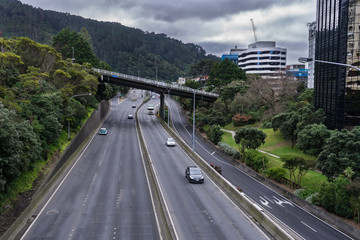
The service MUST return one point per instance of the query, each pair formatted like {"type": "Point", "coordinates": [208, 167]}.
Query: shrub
{"type": "Point", "coordinates": [277, 173]}
{"type": "Point", "coordinates": [302, 193]}
{"type": "Point", "coordinates": [314, 199]}
{"type": "Point", "coordinates": [241, 120]}
{"type": "Point", "coordinates": [256, 160]}
{"type": "Point", "coordinates": [226, 148]}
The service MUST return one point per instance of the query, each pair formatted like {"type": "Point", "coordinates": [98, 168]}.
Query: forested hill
{"type": "Point", "coordinates": [127, 50]}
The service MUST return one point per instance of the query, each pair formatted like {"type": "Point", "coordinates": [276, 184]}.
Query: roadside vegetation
{"type": "Point", "coordinates": [37, 85]}
{"type": "Point", "coordinates": [323, 165]}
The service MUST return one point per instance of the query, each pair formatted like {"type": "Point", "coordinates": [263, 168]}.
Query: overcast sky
{"type": "Point", "coordinates": [216, 25]}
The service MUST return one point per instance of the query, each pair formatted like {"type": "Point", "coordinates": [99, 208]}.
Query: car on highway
{"type": "Point", "coordinates": [103, 131]}
{"type": "Point", "coordinates": [130, 116]}
{"type": "Point", "coordinates": [134, 106]}
{"type": "Point", "coordinates": [194, 175]}
{"type": "Point", "coordinates": [170, 142]}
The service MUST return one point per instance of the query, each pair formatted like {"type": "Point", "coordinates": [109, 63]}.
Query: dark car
{"type": "Point", "coordinates": [194, 174]}
{"type": "Point", "coordinates": [133, 106]}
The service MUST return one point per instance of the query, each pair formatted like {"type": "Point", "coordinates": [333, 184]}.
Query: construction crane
{"type": "Point", "coordinates": [254, 29]}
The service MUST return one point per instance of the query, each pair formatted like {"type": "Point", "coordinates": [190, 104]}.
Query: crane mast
{"type": "Point", "coordinates": [254, 29]}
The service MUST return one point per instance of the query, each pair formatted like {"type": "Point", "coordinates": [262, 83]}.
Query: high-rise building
{"type": "Point", "coordinates": [264, 58]}
{"type": "Point", "coordinates": [311, 65]}
{"type": "Point", "coordinates": [337, 88]}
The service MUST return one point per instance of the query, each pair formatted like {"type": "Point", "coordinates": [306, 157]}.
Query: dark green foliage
{"type": "Point", "coordinates": [249, 138]}
{"type": "Point", "coordinates": [335, 197]}
{"type": "Point", "coordinates": [34, 103]}
{"type": "Point", "coordinates": [276, 173]}
{"type": "Point", "coordinates": [327, 196]}
{"type": "Point", "coordinates": [342, 202]}
{"type": "Point", "coordinates": [229, 91]}
{"type": "Point", "coordinates": [202, 68]}
{"type": "Point", "coordinates": [341, 150]}
{"type": "Point", "coordinates": [307, 95]}
{"type": "Point", "coordinates": [291, 123]}
{"type": "Point", "coordinates": [215, 134]}
{"type": "Point", "coordinates": [192, 84]}
{"type": "Point", "coordinates": [354, 190]}
{"type": "Point", "coordinates": [224, 72]}
{"type": "Point", "coordinates": [19, 146]}
{"type": "Point", "coordinates": [66, 41]}
{"type": "Point", "coordinates": [312, 138]}
{"type": "Point", "coordinates": [256, 160]}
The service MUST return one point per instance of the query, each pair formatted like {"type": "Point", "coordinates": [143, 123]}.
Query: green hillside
{"type": "Point", "coordinates": [127, 50]}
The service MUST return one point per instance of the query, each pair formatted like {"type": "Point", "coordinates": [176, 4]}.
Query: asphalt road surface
{"type": "Point", "coordinates": [306, 225]}
{"type": "Point", "coordinates": [198, 211]}
{"type": "Point", "coordinates": [105, 195]}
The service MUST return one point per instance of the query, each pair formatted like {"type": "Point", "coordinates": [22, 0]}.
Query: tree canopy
{"type": "Point", "coordinates": [341, 150]}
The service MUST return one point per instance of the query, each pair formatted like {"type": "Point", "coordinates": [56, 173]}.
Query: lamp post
{"type": "Point", "coordinates": [304, 60]}
{"type": "Point", "coordinates": [169, 89]}
{"type": "Point", "coordinates": [193, 135]}
{"type": "Point", "coordinates": [76, 95]}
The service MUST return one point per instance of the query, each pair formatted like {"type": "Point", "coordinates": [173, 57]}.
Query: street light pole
{"type": "Point", "coordinates": [169, 89]}
{"type": "Point", "coordinates": [76, 95]}
{"type": "Point", "coordinates": [193, 135]}
{"type": "Point", "coordinates": [304, 60]}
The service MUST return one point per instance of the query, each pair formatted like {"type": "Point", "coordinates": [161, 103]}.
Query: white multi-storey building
{"type": "Point", "coordinates": [264, 58]}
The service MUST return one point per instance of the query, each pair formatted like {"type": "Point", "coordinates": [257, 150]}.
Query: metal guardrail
{"type": "Point", "coordinates": [153, 82]}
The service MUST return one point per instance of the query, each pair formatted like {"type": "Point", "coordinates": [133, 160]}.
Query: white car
{"type": "Point", "coordinates": [130, 116]}
{"type": "Point", "coordinates": [170, 142]}
{"type": "Point", "coordinates": [103, 131]}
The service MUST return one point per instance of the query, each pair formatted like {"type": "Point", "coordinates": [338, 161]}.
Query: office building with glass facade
{"type": "Point", "coordinates": [337, 88]}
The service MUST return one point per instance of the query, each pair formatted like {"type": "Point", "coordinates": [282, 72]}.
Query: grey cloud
{"type": "Point", "coordinates": [165, 10]}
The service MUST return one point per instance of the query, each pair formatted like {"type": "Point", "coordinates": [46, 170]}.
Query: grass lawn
{"type": "Point", "coordinates": [277, 145]}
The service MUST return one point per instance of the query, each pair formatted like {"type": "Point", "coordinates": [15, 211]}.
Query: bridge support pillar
{"type": "Point", "coordinates": [162, 105]}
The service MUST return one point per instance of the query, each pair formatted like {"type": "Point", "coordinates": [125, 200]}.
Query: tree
{"type": "Point", "coordinates": [342, 197]}
{"type": "Point", "coordinates": [307, 95]}
{"type": "Point", "coordinates": [291, 123]}
{"type": "Point", "coordinates": [229, 91]}
{"type": "Point", "coordinates": [308, 116]}
{"type": "Point", "coordinates": [292, 163]}
{"type": "Point", "coordinates": [297, 166]}
{"type": "Point", "coordinates": [249, 138]}
{"type": "Point", "coordinates": [224, 72]}
{"type": "Point", "coordinates": [215, 134]}
{"type": "Point", "coordinates": [341, 150]}
{"type": "Point", "coordinates": [289, 127]}
{"type": "Point", "coordinates": [354, 190]}
{"type": "Point", "coordinates": [202, 68]}
{"type": "Point", "coordinates": [312, 138]}
{"type": "Point", "coordinates": [66, 42]}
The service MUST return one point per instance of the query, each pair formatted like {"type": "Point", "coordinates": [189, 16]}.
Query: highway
{"type": "Point", "coordinates": [198, 211]}
{"type": "Point", "coordinates": [300, 221]}
{"type": "Point", "coordinates": [105, 195]}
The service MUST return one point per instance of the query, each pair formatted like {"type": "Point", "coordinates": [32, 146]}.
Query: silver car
{"type": "Point", "coordinates": [170, 142]}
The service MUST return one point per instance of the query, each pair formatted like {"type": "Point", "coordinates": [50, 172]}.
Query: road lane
{"type": "Point", "coordinates": [105, 196]}
{"type": "Point", "coordinates": [198, 211]}
{"type": "Point", "coordinates": [302, 222]}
